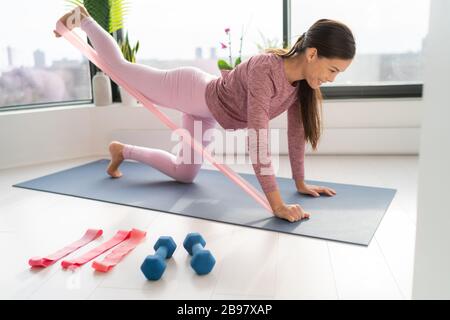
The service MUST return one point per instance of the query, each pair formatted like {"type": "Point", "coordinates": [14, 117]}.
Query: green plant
{"type": "Point", "coordinates": [110, 14]}
{"type": "Point", "coordinates": [128, 52]}
{"type": "Point", "coordinates": [224, 65]}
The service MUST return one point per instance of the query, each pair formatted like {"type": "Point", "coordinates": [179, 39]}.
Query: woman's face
{"type": "Point", "coordinates": [321, 70]}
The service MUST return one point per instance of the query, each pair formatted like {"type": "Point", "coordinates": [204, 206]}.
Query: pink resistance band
{"type": "Point", "coordinates": [92, 55]}
{"type": "Point", "coordinates": [121, 251]}
{"type": "Point", "coordinates": [88, 256]}
{"type": "Point", "coordinates": [89, 236]}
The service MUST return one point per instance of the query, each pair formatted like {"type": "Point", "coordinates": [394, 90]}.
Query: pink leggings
{"type": "Point", "coordinates": [182, 89]}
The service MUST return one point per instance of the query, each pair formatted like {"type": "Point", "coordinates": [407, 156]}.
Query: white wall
{"type": "Point", "coordinates": [432, 252]}
{"type": "Point", "coordinates": [364, 126]}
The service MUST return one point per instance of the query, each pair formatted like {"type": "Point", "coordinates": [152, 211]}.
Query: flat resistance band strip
{"type": "Point", "coordinates": [90, 235]}
{"type": "Point", "coordinates": [121, 251]}
{"type": "Point", "coordinates": [120, 236]}
{"type": "Point", "coordinates": [92, 55]}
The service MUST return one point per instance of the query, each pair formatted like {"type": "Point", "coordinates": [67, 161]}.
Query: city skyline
{"type": "Point", "coordinates": [40, 58]}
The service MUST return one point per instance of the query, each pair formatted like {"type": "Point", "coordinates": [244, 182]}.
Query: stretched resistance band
{"type": "Point", "coordinates": [92, 55]}
{"type": "Point", "coordinates": [121, 251]}
{"type": "Point", "coordinates": [90, 235]}
{"type": "Point", "coordinates": [88, 256]}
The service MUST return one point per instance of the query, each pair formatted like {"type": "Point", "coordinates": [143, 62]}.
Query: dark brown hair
{"type": "Point", "coordinates": [333, 40]}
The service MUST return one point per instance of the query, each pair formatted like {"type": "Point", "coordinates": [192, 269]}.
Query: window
{"type": "Point", "coordinates": [36, 68]}
{"type": "Point", "coordinates": [188, 33]}
{"type": "Point", "coordinates": [389, 37]}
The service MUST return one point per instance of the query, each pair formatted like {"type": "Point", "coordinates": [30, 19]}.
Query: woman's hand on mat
{"type": "Point", "coordinates": [314, 190]}
{"type": "Point", "coordinates": [290, 212]}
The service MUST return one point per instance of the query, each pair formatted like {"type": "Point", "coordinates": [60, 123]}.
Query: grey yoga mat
{"type": "Point", "coordinates": [352, 215]}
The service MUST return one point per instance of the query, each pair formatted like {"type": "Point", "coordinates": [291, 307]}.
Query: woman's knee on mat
{"type": "Point", "coordinates": [186, 173]}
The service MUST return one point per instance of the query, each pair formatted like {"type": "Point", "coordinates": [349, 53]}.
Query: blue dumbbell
{"type": "Point", "coordinates": [202, 260]}
{"type": "Point", "coordinates": [153, 266]}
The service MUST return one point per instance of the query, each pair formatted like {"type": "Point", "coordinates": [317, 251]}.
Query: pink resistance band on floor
{"type": "Point", "coordinates": [117, 254]}
{"type": "Point", "coordinates": [90, 235]}
{"type": "Point", "coordinates": [92, 55]}
{"type": "Point", "coordinates": [88, 256]}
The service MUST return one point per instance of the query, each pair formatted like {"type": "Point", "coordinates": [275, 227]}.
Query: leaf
{"type": "Point", "coordinates": [130, 55]}
{"type": "Point", "coordinates": [237, 62]}
{"type": "Point", "coordinates": [75, 3]}
{"type": "Point", "coordinates": [137, 47]}
{"type": "Point", "coordinates": [117, 12]}
{"type": "Point", "coordinates": [223, 65]}
{"type": "Point", "coordinates": [99, 10]}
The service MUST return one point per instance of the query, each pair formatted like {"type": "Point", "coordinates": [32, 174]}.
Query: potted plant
{"type": "Point", "coordinates": [225, 66]}
{"type": "Point", "coordinates": [129, 54]}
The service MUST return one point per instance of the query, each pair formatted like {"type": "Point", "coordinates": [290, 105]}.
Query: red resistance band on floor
{"type": "Point", "coordinates": [117, 254]}
{"type": "Point", "coordinates": [90, 235]}
{"type": "Point", "coordinates": [88, 256]}
{"type": "Point", "coordinates": [92, 55]}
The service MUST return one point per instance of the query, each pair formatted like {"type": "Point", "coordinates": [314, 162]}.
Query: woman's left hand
{"type": "Point", "coordinates": [315, 190]}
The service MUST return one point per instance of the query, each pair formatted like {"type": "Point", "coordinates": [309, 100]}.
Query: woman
{"type": "Point", "coordinates": [248, 96]}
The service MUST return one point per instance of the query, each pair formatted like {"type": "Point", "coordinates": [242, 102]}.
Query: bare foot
{"type": "Point", "coordinates": [73, 18]}
{"type": "Point", "coordinates": [115, 148]}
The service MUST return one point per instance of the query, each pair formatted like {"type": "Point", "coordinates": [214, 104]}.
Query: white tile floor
{"type": "Point", "coordinates": [251, 264]}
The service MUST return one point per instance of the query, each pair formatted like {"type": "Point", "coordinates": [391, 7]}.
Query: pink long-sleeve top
{"type": "Point", "coordinates": [249, 96]}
